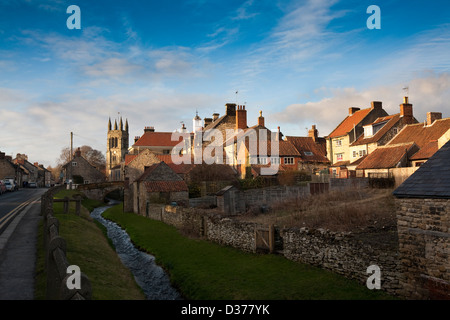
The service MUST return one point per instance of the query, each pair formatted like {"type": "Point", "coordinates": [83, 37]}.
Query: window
{"type": "Point", "coordinates": [86, 181]}
{"type": "Point", "coordinates": [395, 130]}
{"type": "Point", "coordinates": [275, 160]}
{"type": "Point", "coordinates": [362, 153]}
{"type": "Point", "coordinates": [355, 154]}
{"type": "Point", "coordinates": [262, 160]}
{"type": "Point", "coordinates": [338, 143]}
{"type": "Point", "coordinates": [339, 156]}
{"type": "Point", "coordinates": [74, 164]}
{"type": "Point", "coordinates": [289, 160]}
{"type": "Point", "coordinates": [308, 153]}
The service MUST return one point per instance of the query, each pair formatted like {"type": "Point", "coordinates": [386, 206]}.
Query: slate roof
{"type": "Point", "coordinates": [431, 180]}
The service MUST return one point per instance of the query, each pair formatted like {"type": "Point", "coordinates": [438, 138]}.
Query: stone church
{"type": "Point", "coordinates": [117, 144]}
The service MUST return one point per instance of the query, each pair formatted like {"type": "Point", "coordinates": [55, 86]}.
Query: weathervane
{"type": "Point", "coordinates": [406, 89]}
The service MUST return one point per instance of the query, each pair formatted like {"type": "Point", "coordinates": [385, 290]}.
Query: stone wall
{"type": "Point", "coordinates": [424, 238]}
{"type": "Point", "coordinates": [345, 253]}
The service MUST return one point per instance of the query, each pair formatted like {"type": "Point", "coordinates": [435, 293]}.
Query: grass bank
{"type": "Point", "coordinates": [207, 271]}
{"type": "Point", "coordinates": [89, 248]}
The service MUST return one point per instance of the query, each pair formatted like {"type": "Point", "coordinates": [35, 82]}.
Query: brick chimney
{"type": "Point", "coordinates": [352, 110]}
{"type": "Point", "coordinates": [77, 153]}
{"type": "Point", "coordinates": [313, 133]}
{"type": "Point", "coordinates": [377, 104]}
{"type": "Point", "coordinates": [231, 109]}
{"type": "Point", "coordinates": [136, 138]}
{"type": "Point", "coordinates": [149, 129]}
{"type": "Point", "coordinates": [2, 155]}
{"type": "Point", "coordinates": [215, 116]}
{"type": "Point", "coordinates": [432, 116]}
{"type": "Point", "coordinates": [241, 117]}
{"type": "Point", "coordinates": [207, 121]}
{"type": "Point", "coordinates": [261, 120]}
{"type": "Point", "coordinates": [406, 111]}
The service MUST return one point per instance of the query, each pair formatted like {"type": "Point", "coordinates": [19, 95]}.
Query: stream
{"type": "Point", "coordinates": [153, 280]}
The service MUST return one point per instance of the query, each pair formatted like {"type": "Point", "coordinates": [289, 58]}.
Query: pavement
{"type": "Point", "coordinates": [18, 245]}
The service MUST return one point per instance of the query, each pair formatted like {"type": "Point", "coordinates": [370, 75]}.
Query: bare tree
{"type": "Point", "coordinates": [95, 157]}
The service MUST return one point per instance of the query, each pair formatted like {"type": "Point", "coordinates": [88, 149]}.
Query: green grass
{"type": "Point", "coordinates": [89, 248]}
{"type": "Point", "coordinates": [207, 271]}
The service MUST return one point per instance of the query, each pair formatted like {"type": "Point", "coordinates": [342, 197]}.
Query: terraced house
{"type": "Point", "coordinates": [339, 140]}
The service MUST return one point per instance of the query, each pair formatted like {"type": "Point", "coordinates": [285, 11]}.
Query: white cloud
{"type": "Point", "coordinates": [431, 92]}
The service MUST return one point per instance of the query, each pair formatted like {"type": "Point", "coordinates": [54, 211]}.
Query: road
{"type": "Point", "coordinates": [19, 219]}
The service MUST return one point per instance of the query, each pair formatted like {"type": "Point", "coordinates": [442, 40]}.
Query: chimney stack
{"type": "Point", "coordinates": [149, 129]}
{"type": "Point", "coordinates": [231, 109]}
{"type": "Point", "coordinates": [215, 116]}
{"type": "Point", "coordinates": [432, 116]}
{"type": "Point", "coordinates": [77, 154]}
{"type": "Point", "coordinates": [2, 155]}
{"type": "Point", "coordinates": [241, 117]}
{"type": "Point", "coordinates": [352, 110]}
{"type": "Point", "coordinates": [136, 138]}
{"type": "Point", "coordinates": [406, 111]}
{"type": "Point", "coordinates": [207, 121]}
{"type": "Point", "coordinates": [377, 104]}
{"type": "Point", "coordinates": [261, 120]}
{"type": "Point", "coordinates": [313, 133]}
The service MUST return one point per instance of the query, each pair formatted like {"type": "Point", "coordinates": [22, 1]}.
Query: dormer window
{"type": "Point", "coordinates": [308, 153]}
{"type": "Point", "coordinates": [368, 131]}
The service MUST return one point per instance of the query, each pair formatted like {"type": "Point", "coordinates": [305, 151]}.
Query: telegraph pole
{"type": "Point", "coordinates": [71, 158]}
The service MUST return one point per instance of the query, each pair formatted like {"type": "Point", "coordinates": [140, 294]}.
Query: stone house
{"type": "Point", "coordinates": [8, 169]}
{"type": "Point", "coordinates": [158, 184]}
{"type": "Point", "coordinates": [381, 131]}
{"type": "Point", "coordinates": [81, 171]}
{"type": "Point", "coordinates": [411, 147]}
{"type": "Point", "coordinates": [157, 142]}
{"type": "Point", "coordinates": [423, 224]}
{"type": "Point", "coordinates": [339, 140]}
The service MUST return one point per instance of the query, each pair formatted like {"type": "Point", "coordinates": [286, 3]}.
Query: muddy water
{"type": "Point", "coordinates": [149, 276]}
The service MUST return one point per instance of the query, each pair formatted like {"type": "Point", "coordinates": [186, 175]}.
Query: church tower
{"type": "Point", "coordinates": [117, 144]}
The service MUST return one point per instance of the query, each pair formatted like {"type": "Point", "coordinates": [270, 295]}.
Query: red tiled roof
{"type": "Point", "coordinates": [426, 151]}
{"type": "Point", "coordinates": [421, 135]}
{"type": "Point", "coordinates": [157, 139]}
{"type": "Point", "coordinates": [285, 148]}
{"type": "Point", "coordinates": [341, 164]}
{"type": "Point", "coordinates": [181, 168]}
{"type": "Point", "coordinates": [386, 156]}
{"type": "Point", "coordinates": [165, 186]}
{"type": "Point", "coordinates": [349, 122]}
{"type": "Point", "coordinates": [307, 144]}
{"type": "Point", "coordinates": [129, 158]}
{"type": "Point", "coordinates": [392, 120]}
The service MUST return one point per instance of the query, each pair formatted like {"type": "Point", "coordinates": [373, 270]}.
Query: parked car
{"type": "Point", "coordinates": [9, 186]}
{"type": "Point", "coordinates": [32, 185]}
{"type": "Point", "coordinates": [2, 187]}
{"type": "Point", "coordinates": [13, 183]}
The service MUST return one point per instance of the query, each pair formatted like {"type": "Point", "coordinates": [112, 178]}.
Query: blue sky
{"type": "Point", "coordinates": [158, 62]}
